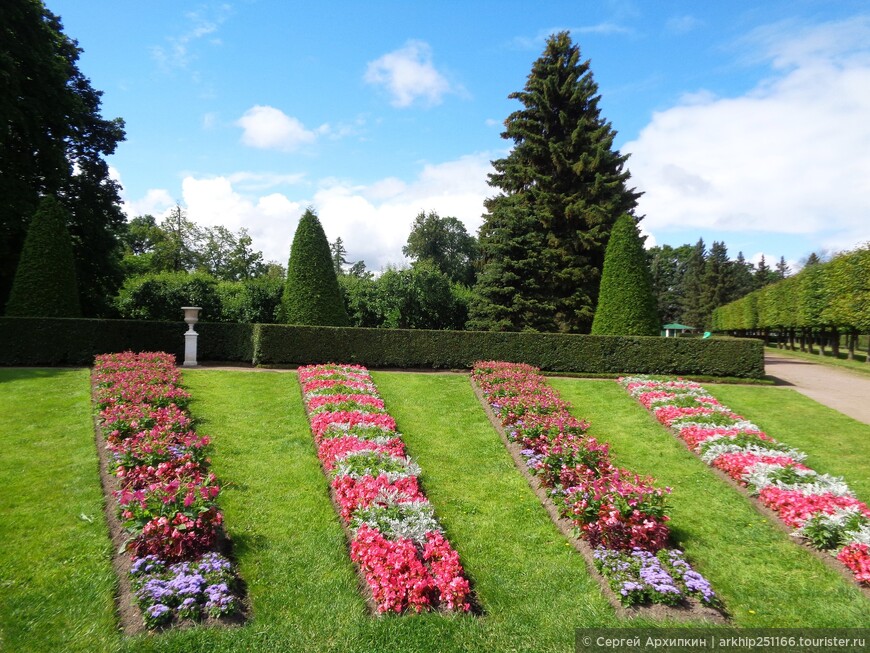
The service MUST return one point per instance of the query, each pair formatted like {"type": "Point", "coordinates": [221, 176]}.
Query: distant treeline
{"type": "Point", "coordinates": [822, 302]}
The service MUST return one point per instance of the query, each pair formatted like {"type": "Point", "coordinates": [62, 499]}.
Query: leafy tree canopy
{"type": "Point", "coordinates": [53, 142]}
{"type": "Point", "coordinates": [445, 243]}
{"type": "Point", "coordinates": [178, 244]}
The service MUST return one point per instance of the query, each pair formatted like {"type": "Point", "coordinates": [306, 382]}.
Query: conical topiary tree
{"type": "Point", "coordinates": [626, 303]}
{"type": "Point", "coordinates": [45, 279]}
{"type": "Point", "coordinates": [311, 293]}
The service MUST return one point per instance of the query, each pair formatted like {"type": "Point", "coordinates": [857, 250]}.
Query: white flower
{"type": "Point", "coordinates": [722, 447]}
{"type": "Point", "coordinates": [762, 475]}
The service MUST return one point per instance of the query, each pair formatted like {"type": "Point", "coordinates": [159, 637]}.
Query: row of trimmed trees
{"type": "Point", "coordinates": [821, 303]}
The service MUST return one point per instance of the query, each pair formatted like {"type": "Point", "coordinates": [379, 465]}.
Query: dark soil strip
{"type": "Point", "coordinates": [130, 616]}
{"type": "Point", "coordinates": [769, 514]}
{"type": "Point", "coordinates": [691, 611]}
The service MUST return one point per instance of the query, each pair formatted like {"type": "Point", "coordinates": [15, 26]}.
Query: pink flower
{"type": "Point", "coordinates": [856, 557]}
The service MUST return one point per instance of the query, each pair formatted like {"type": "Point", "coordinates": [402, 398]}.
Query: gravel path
{"type": "Point", "coordinates": [842, 390]}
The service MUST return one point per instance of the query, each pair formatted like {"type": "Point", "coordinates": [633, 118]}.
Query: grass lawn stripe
{"type": "Point", "coordinates": [507, 542]}
{"type": "Point", "coordinates": [56, 578]}
{"type": "Point", "coordinates": [764, 578]}
{"type": "Point", "coordinates": [289, 546]}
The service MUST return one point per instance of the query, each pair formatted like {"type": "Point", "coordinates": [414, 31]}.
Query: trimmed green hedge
{"type": "Point", "coordinates": [74, 341]}
{"type": "Point", "coordinates": [287, 344]}
{"type": "Point", "coordinates": [70, 341]}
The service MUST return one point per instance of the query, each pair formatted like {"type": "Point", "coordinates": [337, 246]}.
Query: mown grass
{"type": "Point", "coordinates": [857, 365]}
{"type": "Point", "coordinates": [56, 579]}
{"type": "Point", "coordinates": [533, 588]}
{"type": "Point", "coordinates": [765, 578]}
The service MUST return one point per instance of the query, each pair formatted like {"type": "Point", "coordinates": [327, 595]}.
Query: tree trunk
{"type": "Point", "coordinates": [851, 340]}
{"type": "Point", "coordinates": [835, 342]}
{"type": "Point", "coordinates": [822, 335]}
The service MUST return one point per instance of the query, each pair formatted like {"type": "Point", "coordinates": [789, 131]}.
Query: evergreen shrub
{"type": "Point", "coordinates": [45, 279]}
{"type": "Point", "coordinates": [311, 294]}
{"type": "Point", "coordinates": [626, 303]}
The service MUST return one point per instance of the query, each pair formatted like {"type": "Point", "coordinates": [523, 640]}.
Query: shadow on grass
{"type": "Point", "coordinates": [9, 374]}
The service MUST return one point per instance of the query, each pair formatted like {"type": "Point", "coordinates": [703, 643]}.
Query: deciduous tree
{"type": "Point", "coordinates": [53, 141]}
{"type": "Point", "coordinates": [445, 243]}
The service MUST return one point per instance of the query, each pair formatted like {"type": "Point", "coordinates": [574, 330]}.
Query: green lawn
{"type": "Point", "coordinates": [292, 553]}
{"type": "Point", "coordinates": [859, 364]}
{"type": "Point", "coordinates": [765, 578]}
{"type": "Point", "coordinates": [56, 579]}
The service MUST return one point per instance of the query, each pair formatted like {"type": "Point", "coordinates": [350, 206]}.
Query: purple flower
{"type": "Point", "coordinates": [157, 610]}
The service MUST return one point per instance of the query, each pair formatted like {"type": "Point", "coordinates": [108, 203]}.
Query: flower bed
{"type": "Point", "coordinates": [396, 542]}
{"type": "Point", "coordinates": [821, 508]}
{"type": "Point", "coordinates": [166, 496]}
{"type": "Point", "coordinates": [620, 514]}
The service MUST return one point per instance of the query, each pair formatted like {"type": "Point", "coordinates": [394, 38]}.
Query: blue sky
{"type": "Point", "coordinates": [746, 121]}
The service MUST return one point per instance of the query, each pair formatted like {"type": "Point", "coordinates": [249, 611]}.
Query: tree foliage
{"type": "Point", "coordinates": [178, 244]}
{"type": "Point", "coordinates": [445, 243]}
{"type": "Point", "coordinates": [694, 309]}
{"type": "Point", "coordinates": [667, 268]}
{"type": "Point", "coordinates": [419, 297]}
{"type": "Point", "coordinates": [832, 295]}
{"type": "Point", "coordinates": [53, 142]}
{"type": "Point", "coordinates": [691, 281]}
{"type": "Point", "coordinates": [339, 253]}
{"type": "Point", "coordinates": [45, 281]}
{"type": "Point", "coordinates": [311, 293]}
{"type": "Point", "coordinates": [160, 296]}
{"type": "Point", "coordinates": [626, 304]}
{"type": "Point", "coordinates": [563, 180]}
{"type": "Point", "coordinates": [510, 294]}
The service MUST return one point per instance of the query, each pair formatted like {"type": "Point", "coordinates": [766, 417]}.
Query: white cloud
{"type": "Point", "coordinates": [176, 53]}
{"type": "Point", "coordinates": [790, 157]}
{"type": "Point", "coordinates": [156, 202]}
{"type": "Point", "coordinates": [789, 43]}
{"type": "Point", "coordinates": [372, 219]}
{"type": "Point", "coordinates": [268, 128]}
{"type": "Point", "coordinates": [683, 24]}
{"type": "Point", "coordinates": [374, 224]}
{"type": "Point", "coordinates": [270, 219]}
{"type": "Point", "coordinates": [256, 181]}
{"type": "Point", "coordinates": [409, 75]}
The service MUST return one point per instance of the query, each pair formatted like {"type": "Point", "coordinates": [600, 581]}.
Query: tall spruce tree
{"type": "Point", "coordinates": [53, 140]}
{"type": "Point", "coordinates": [694, 313]}
{"type": "Point", "coordinates": [509, 293]}
{"type": "Point", "coordinates": [564, 181]}
{"type": "Point", "coordinates": [311, 293]}
{"type": "Point", "coordinates": [718, 281]}
{"type": "Point", "coordinates": [626, 303]}
{"type": "Point", "coordinates": [45, 280]}
{"type": "Point", "coordinates": [742, 278]}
